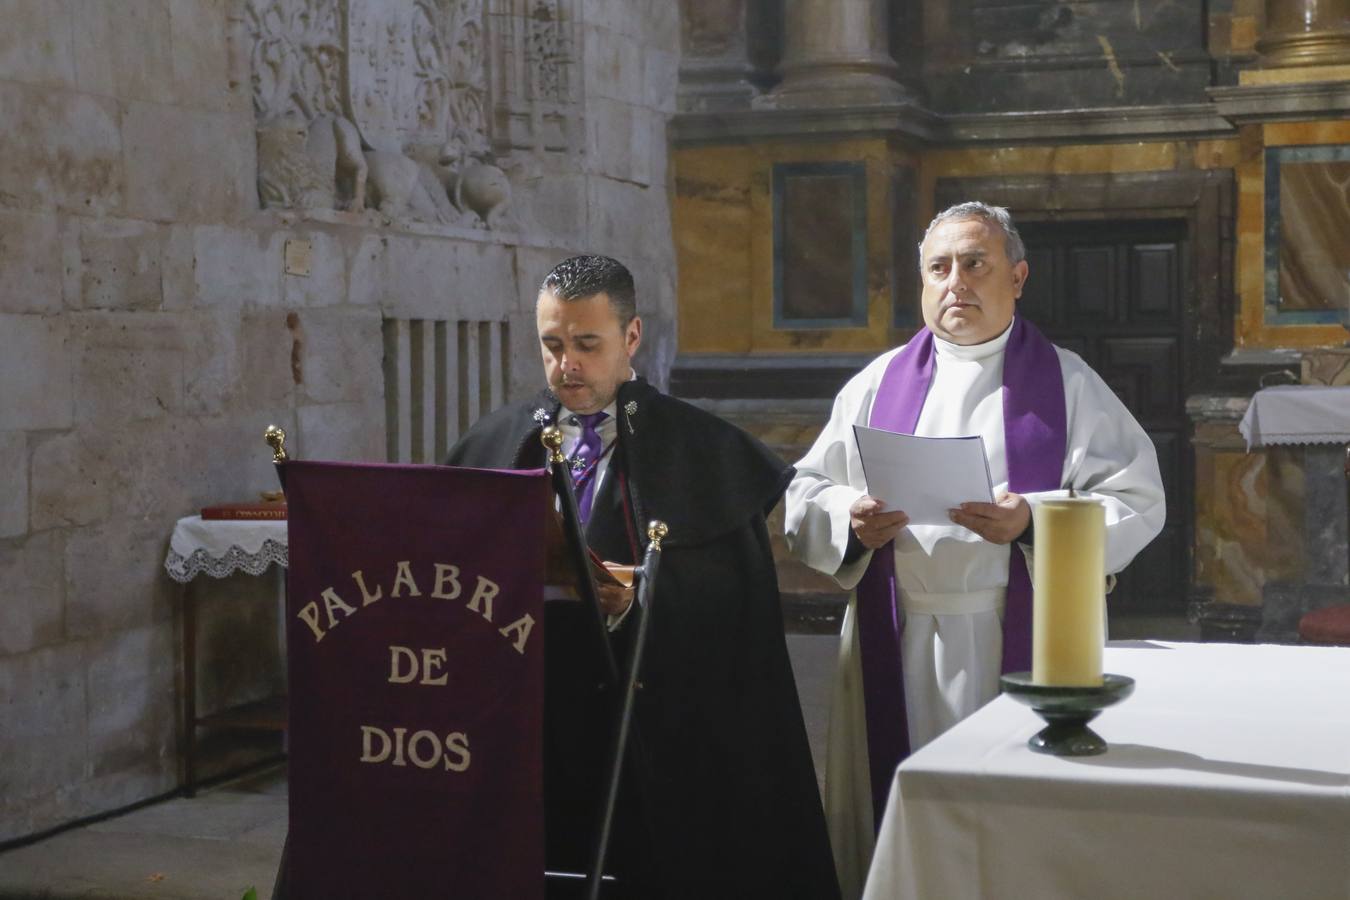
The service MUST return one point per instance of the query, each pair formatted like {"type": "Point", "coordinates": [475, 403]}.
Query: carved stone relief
{"type": "Point", "coordinates": [537, 83]}
{"type": "Point", "coordinates": [390, 103]}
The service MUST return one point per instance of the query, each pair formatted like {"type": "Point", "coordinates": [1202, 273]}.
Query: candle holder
{"type": "Point", "coordinates": [1067, 711]}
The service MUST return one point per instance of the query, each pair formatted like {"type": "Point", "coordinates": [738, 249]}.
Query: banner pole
{"type": "Point", "coordinates": [646, 595]}
{"type": "Point", "coordinates": [552, 439]}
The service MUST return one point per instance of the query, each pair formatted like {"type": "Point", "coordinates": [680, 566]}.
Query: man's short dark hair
{"type": "Point", "coordinates": [580, 277]}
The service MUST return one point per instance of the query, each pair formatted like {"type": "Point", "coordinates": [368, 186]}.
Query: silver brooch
{"type": "Point", "coordinates": [631, 409]}
{"type": "Point", "coordinates": [540, 415]}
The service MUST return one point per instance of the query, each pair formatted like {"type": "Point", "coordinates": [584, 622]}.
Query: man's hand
{"type": "Point", "coordinates": [1000, 522]}
{"type": "Point", "coordinates": [614, 598]}
{"type": "Point", "coordinates": [874, 527]}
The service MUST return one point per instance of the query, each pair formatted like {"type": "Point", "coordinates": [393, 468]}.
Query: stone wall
{"type": "Point", "coordinates": [152, 321]}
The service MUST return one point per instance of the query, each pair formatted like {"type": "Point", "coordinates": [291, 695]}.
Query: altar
{"type": "Point", "coordinates": [1228, 775]}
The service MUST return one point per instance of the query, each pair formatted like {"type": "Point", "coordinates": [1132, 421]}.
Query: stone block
{"type": "Point", "coordinates": [435, 278]}
{"type": "Point", "coordinates": [30, 570]}
{"type": "Point", "coordinates": [341, 355]}
{"type": "Point", "coordinates": [35, 376]}
{"type": "Point", "coordinates": [626, 220]}
{"type": "Point", "coordinates": [366, 285]}
{"type": "Point", "coordinates": [326, 283]}
{"type": "Point", "coordinates": [613, 67]}
{"type": "Point", "coordinates": [525, 371]}
{"type": "Point", "coordinates": [178, 268]}
{"type": "Point", "coordinates": [552, 209]}
{"type": "Point", "coordinates": [115, 576]}
{"type": "Point", "coordinates": [188, 165]}
{"type": "Point", "coordinates": [236, 360]}
{"type": "Point", "coordinates": [30, 263]}
{"type": "Point", "coordinates": [120, 264]}
{"type": "Point", "coordinates": [201, 57]}
{"type": "Point", "coordinates": [74, 475]}
{"type": "Point", "coordinates": [42, 695]}
{"type": "Point", "coordinates": [13, 486]}
{"type": "Point", "coordinates": [62, 150]}
{"type": "Point", "coordinates": [236, 267]}
{"type": "Point", "coordinates": [124, 49]}
{"type": "Point", "coordinates": [661, 76]}
{"type": "Point", "coordinates": [36, 46]}
{"type": "Point", "coordinates": [354, 432]}
{"type": "Point", "coordinates": [130, 685]}
{"type": "Point", "coordinates": [619, 143]}
{"type": "Point", "coordinates": [128, 366]}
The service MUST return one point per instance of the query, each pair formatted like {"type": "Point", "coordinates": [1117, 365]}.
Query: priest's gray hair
{"type": "Point", "coordinates": [994, 215]}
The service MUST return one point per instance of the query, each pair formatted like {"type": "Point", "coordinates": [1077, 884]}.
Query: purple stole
{"type": "Point", "coordinates": [1036, 437]}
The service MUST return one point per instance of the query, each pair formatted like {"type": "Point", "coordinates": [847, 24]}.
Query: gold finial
{"type": "Point", "coordinates": [552, 438]}
{"type": "Point", "coordinates": [276, 439]}
{"type": "Point", "coordinates": [657, 531]}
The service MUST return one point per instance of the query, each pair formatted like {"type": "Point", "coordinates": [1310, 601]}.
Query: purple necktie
{"type": "Point", "coordinates": [586, 460]}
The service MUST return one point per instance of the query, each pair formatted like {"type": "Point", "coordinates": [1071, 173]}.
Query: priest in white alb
{"type": "Point", "coordinates": [939, 611]}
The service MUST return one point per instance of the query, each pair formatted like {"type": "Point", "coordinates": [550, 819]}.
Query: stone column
{"type": "Point", "coordinates": [1306, 33]}
{"type": "Point", "coordinates": [714, 65]}
{"type": "Point", "coordinates": [836, 54]}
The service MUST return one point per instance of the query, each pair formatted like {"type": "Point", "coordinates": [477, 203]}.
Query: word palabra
{"type": "Point", "coordinates": [446, 585]}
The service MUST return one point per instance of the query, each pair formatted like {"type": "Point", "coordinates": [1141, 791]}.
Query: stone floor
{"type": "Point", "coordinates": [227, 839]}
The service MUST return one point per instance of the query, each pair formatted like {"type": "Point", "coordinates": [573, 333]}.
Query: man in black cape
{"type": "Point", "coordinates": [720, 797]}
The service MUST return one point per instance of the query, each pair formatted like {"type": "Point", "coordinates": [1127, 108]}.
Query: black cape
{"type": "Point", "coordinates": [722, 799]}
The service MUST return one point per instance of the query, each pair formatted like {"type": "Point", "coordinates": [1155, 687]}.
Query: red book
{"type": "Point", "coordinates": [245, 511]}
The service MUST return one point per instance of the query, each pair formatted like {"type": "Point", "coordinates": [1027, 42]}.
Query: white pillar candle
{"type": "Point", "coordinates": [1069, 584]}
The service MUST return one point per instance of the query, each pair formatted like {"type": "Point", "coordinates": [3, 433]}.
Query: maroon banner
{"type": "Point", "coordinates": [416, 649]}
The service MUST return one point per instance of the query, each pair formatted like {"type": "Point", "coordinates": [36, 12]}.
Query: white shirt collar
{"type": "Point", "coordinates": [971, 352]}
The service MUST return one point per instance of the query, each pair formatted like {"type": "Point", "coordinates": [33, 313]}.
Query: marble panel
{"type": "Point", "coordinates": [1230, 525]}
{"type": "Point", "coordinates": [1329, 366]}
{"type": "Point", "coordinates": [820, 245]}
{"type": "Point", "coordinates": [32, 614]}
{"type": "Point", "coordinates": [31, 250]}
{"type": "Point", "coordinates": [1284, 553]}
{"type": "Point", "coordinates": [1314, 210]}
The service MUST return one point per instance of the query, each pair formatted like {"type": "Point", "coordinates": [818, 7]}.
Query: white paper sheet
{"type": "Point", "coordinates": [924, 476]}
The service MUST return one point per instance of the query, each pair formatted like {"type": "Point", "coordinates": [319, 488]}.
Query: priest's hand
{"type": "Point", "coordinates": [1001, 522]}
{"type": "Point", "coordinates": [872, 524]}
{"type": "Point", "coordinates": [614, 598]}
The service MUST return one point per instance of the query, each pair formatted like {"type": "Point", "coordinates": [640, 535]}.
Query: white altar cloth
{"type": "Point", "coordinates": [1297, 414]}
{"type": "Point", "coordinates": [1228, 776]}
{"type": "Point", "coordinates": [221, 547]}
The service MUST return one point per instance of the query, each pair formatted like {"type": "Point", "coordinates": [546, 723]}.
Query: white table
{"type": "Point", "coordinates": [1228, 776]}
{"type": "Point", "coordinates": [220, 548]}
{"type": "Point", "coordinates": [1297, 414]}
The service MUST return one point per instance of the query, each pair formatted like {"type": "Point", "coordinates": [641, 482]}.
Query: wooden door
{"type": "Point", "coordinates": [1113, 293]}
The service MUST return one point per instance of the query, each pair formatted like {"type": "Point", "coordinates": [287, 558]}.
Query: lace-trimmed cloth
{"type": "Point", "coordinates": [222, 547]}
